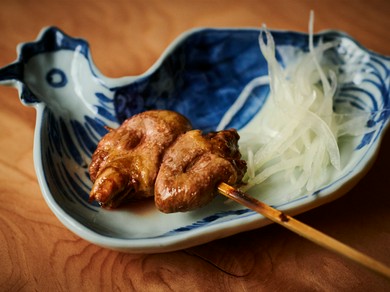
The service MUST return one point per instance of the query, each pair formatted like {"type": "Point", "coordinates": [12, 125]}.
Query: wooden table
{"type": "Point", "coordinates": [38, 253]}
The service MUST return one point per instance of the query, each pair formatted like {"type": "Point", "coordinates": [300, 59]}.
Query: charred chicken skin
{"type": "Point", "coordinates": [193, 167]}
{"type": "Point", "coordinates": [156, 153]}
{"type": "Point", "coordinates": [126, 162]}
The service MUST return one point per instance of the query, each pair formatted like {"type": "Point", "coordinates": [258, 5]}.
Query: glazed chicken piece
{"type": "Point", "coordinates": [127, 159]}
{"type": "Point", "coordinates": [157, 153]}
{"type": "Point", "coordinates": [193, 167]}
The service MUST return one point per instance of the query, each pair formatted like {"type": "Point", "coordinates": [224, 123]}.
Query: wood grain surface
{"type": "Point", "coordinates": [37, 253]}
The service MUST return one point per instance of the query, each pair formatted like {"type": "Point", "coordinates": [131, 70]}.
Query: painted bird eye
{"type": "Point", "coordinates": [56, 78]}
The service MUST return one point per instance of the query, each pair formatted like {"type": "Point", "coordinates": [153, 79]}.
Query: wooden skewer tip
{"type": "Point", "coordinates": [303, 229]}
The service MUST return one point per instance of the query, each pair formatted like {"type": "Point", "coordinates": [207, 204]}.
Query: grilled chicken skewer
{"type": "Point", "coordinates": [156, 153]}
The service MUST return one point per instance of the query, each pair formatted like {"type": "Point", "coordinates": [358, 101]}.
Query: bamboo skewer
{"type": "Point", "coordinates": [303, 229]}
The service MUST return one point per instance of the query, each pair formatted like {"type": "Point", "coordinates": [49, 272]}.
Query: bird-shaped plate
{"type": "Point", "coordinates": [199, 75]}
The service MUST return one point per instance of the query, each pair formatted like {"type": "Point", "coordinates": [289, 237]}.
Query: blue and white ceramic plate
{"type": "Point", "coordinates": [200, 75]}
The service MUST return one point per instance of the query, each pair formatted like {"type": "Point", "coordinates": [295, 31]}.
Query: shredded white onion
{"type": "Point", "coordinates": [298, 130]}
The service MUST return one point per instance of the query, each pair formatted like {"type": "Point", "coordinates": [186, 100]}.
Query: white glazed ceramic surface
{"type": "Point", "coordinates": [200, 75]}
